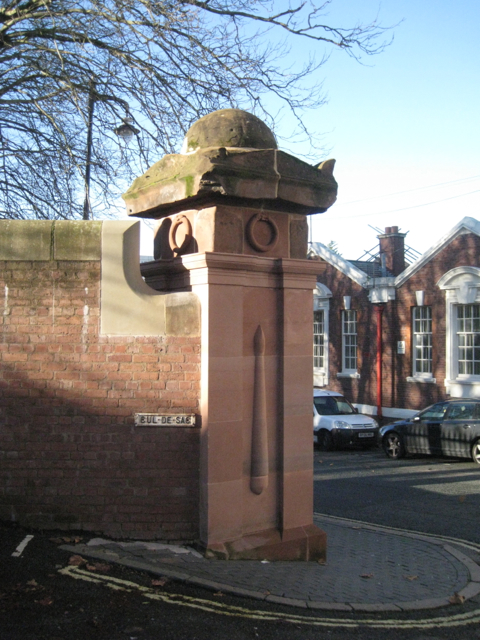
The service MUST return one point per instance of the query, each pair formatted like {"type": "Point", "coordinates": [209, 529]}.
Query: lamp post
{"type": "Point", "coordinates": [126, 131]}
{"type": "Point", "coordinates": [91, 106]}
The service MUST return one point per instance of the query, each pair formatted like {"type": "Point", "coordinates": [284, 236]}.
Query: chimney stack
{"type": "Point", "coordinates": [392, 246]}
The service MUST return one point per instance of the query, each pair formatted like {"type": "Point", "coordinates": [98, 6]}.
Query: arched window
{"type": "Point", "coordinates": [462, 300]}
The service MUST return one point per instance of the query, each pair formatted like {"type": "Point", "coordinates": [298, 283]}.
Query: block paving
{"type": "Point", "coordinates": [368, 568]}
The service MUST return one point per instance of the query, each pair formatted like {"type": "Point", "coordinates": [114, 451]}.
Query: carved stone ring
{"type": "Point", "coordinates": [180, 220]}
{"type": "Point", "coordinates": [254, 242]}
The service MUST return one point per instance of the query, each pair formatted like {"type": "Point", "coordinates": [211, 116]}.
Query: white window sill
{"type": "Point", "coordinates": [463, 388]}
{"type": "Point", "coordinates": [473, 380]}
{"type": "Point", "coordinates": [353, 374]}
{"type": "Point", "coordinates": [320, 379]}
{"type": "Point", "coordinates": [422, 379]}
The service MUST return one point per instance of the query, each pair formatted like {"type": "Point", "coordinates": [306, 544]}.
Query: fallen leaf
{"type": "Point", "coordinates": [45, 602]}
{"type": "Point", "coordinates": [159, 583]}
{"type": "Point", "coordinates": [32, 583]}
{"type": "Point", "coordinates": [66, 539]}
{"type": "Point", "coordinates": [98, 566]}
{"type": "Point", "coordinates": [366, 575]}
{"type": "Point", "coordinates": [76, 561]}
{"type": "Point", "coordinates": [462, 498]}
{"type": "Point", "coordinates": [219, 593]}
{"type": "Point", "coordinates": [411, 578]}
{"type": "Point", "coordinates": [456, 599]}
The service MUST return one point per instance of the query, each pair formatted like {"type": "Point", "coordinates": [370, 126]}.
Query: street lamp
{"type": "Point", "coordinates": [126, 131]}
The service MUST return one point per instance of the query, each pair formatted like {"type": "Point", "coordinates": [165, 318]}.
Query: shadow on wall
{"type": "Point", "coordinates": [65, 465]}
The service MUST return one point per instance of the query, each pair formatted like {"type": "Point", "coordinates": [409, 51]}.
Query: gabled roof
{"type": "Point", "coordinates": [372, 268]}
{"type": "Point", "coordinates": [467, 225]}
{"type": "Point", "coordinates": [344, 266]}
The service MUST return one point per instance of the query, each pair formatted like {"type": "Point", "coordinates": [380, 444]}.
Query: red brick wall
{"type": "Point", "coordinates": [70, 455]}
{"type": "Point", "coordinates": [464, 250]}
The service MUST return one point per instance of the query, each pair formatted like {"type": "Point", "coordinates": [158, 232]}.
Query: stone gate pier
{"type": "Point", "coordinates": [231, 228]}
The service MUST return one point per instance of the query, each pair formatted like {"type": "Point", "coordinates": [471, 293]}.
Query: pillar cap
{"type": "Point", "coordinates": [251, 171]}
{"type": "Point", "coordinates": [228, 128]}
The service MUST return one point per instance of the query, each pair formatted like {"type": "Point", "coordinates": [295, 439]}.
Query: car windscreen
{"type": "Point", "coordinates": [333, 406]}
{"type": "Point", "coordinates": [435, 413]}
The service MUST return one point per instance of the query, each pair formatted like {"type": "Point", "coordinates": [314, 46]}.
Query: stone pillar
{"type": "Point", "coordinates": [232, 229]}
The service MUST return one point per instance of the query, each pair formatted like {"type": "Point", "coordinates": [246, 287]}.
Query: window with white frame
{"type": "Point", "coordinates": [462, 324]}
{"type": "Point", "coordinates": [349, 341]}
{"type": "Point", "coordinates": [319, 339]}
{"type": "Point", "coordinates": [321, 307]}
{"type": "Point", "coordinates": [468, 339]}
{"type": "Point", "coordinates": [422, 341]}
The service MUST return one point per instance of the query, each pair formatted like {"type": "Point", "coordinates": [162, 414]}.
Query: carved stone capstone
{"type": "Point", "coordinates": [232, 154]}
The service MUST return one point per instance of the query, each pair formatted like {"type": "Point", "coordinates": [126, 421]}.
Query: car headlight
{"type": "Point", "coordinates": [340, 424]}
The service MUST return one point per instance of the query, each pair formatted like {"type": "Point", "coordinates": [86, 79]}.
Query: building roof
{"type": "Point", "coordinates": [466, 225]}
{"type": "Point", "coordinates": [373, 269]}
{"type": "Point", "coordinates": [317, 249]}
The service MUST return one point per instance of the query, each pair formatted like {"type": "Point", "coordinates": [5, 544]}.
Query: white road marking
{"type": "Point", "coordinates": [211, 606]}
{"type": "Point", "coordinates": [19, 550]}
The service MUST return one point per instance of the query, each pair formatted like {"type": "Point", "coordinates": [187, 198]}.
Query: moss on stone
{"type": "Point", "coordinates": [25, 239]}
{"type": "Point", "coordinates": [189, 183]}
{"type": "Point", "coordinates": [77, 240]}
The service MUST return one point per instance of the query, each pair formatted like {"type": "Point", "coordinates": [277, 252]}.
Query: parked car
{"type": "Point", "coordinates": [336, 422]}
{"type": "Point", "coordinates": [449, 428]}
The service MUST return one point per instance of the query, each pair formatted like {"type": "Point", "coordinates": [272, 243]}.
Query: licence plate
{"type": "Point", "coordinates": [369, 434]}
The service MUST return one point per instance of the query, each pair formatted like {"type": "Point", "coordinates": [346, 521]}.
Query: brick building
{"type": "Point", "coordinates": [395, 337]}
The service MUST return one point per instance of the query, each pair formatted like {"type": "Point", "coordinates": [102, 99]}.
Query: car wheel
{"type": "Point", "coordinates": [476, 451]}
{"type": "Point", "coordinates": [393, 446]}
{"type": "Point", "coordinates": [325, 441]}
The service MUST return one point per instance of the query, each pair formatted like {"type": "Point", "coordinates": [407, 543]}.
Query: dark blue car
{"type": "Point", "coordinates": [449, 428]}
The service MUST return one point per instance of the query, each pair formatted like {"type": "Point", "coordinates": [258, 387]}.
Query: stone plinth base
{"type": "Point", "coordinates": [302, 543]}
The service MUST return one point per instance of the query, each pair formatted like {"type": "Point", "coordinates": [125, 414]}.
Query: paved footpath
{"type": "Point", "coordinates": [368, 568]}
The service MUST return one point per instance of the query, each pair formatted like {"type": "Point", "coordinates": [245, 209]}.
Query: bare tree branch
{"type": "Point", "coordinates": [164, 63]}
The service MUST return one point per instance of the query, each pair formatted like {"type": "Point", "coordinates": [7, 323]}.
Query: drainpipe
{"type": "Point", "coordinates": [379, 312]}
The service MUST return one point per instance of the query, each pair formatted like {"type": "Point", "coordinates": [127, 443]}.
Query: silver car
{"type": "Point", "coordinates": [336, 422]}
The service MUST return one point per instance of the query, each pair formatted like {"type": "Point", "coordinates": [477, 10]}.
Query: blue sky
{"type": "Point", "coordinates": [403, 126]}
{"type": "Point", "coordinates": [405, 129]}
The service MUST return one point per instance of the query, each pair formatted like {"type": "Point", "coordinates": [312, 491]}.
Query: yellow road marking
{"type": "Point", "coordinates": [219, 608]}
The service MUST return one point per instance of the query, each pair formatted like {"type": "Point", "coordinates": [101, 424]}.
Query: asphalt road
{"type": "Point", "coordinates": [433, 495]}
{"type": "Point", "coordinates": [40, 600]}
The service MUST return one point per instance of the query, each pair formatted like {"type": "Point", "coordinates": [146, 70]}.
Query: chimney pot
{"type": "Point", "coordinates": [394, 229]}
{"type": "Point", "coordinates": [388, 229]}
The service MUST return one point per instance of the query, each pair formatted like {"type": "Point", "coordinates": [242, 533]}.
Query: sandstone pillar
{"type": "Point", "coordinates": [232, 229]}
